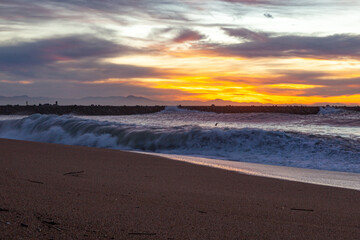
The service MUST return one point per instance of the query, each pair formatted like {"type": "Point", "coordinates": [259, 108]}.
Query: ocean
{"type": "Point", "coordinates": [327, 141]}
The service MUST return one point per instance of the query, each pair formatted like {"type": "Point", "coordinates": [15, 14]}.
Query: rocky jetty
{"type": "Point", "coordinates": [78, 110]}
{"type": "Point", "coordinates": [303, 110]}
{"type": "Point", "coordinates": [129, 110]}
{"type": "Point", "coordinates": [257, 109]}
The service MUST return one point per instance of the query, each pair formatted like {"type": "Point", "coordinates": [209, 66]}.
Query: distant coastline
{"type": "Point", "coordinates": [93, 110]}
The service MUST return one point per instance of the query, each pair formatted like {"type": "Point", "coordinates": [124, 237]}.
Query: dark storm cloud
{"type": "Point", "coordinates": [51, 50]}
{"type": "Point", "coordinates": [188, 35]}
{"type": "Point", "coordinates": [262, 45]}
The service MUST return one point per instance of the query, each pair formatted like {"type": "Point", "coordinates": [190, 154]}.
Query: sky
{"type": "Point", "coordinates": [246, 51]}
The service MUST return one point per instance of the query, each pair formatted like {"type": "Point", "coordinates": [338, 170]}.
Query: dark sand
{"type": "Point", "coordinates": [123, 195]}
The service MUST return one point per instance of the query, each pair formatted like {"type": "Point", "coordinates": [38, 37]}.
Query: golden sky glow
{"type": "Point", "coordinates": [246, 80]}
{"type": "Point", "coordinates": [296, 53]}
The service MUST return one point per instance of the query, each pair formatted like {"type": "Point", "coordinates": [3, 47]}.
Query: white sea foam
{"type": "Point", "coordinates": [330, 110]}
{"type": "Point", "coordinates": [275, 147]}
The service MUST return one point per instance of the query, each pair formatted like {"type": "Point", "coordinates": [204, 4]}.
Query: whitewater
{"type": "Point", "coordinates": [327, 141]}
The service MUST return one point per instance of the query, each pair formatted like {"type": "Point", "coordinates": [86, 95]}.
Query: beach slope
{"type": "Point", "coordinates": [50, 191]}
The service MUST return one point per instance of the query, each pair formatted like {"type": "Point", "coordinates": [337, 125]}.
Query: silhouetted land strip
{"type": "Point", "coordinates": [129, 110]}
{"type": "Point", "coordinates": [303, 110]}
{"type": "Point", "coordinates": [257, 109]}
{"type": "Point", "coordinates": [78, 110]}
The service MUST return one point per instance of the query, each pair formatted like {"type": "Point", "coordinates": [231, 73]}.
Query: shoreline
{"type": "Point", "coordinates": [339, 179]}
{"type": "Point", "coordinates": [65, 192]}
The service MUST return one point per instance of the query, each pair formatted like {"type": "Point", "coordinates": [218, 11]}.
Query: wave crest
{"type": "Point", "coordinates": [249, 145]}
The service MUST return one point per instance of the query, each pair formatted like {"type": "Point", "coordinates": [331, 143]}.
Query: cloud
{"type": "Point", "coordinates": [71, 58]}
{"type": "Point", "coordinates": [290, 3]}
{"type": "Point", "coordinates": [332, 87]}
{"type": "Point", "coordinates": [299, 83]}
{"type": "Point", "coordinates": [321, 91]}
{"type": "Point", "coordinates": [87, 71]}
{"type": "Point", "coordinates": [331, 91]}
{"type": "Point", "coordinates": [246, 34]}
{"type": "Point", "coordinates": [23, 11]}
{"type": "Point", "coordinates": [260, 2]}
{"type": "Point", "coordinates": [73, 65]}
{"type": "Point", "coordinates": [322, 84]}
{"type": "Point", "coordinates": [64, 49]}
{"type": "Point", "coordinates": [188, 35]}
{"type": "Point", "coordinates": [78, 90]}
{"type": "Point", "coordinates": [175, 34]}
{"type": "Point", "coordinates": [18, 11]}
{"type": "Point", "coordinates": [264, 45]}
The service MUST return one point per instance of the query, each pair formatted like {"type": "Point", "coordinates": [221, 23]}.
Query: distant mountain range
{"type": "Point", "coordinates": [112, 100]}
{"type": "Point", "coordinates": [129, 101]}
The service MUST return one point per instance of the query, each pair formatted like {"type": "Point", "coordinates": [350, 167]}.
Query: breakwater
{"type": "Point", "coordinates": [303, 110]}
{"type": "Point", "coordinates": [129, 110]}
{"type": "Point", "coordinates": [78, 110]}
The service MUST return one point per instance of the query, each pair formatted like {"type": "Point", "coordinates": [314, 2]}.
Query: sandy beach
{"type": "Point", "coordinates": [50, 191]}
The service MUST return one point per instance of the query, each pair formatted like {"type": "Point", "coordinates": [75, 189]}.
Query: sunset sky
{"type": "Point", "coordinates": [249, 51]}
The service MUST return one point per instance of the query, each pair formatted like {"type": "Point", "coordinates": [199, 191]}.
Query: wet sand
{"type": "Point", "coordinates": [50, 191]}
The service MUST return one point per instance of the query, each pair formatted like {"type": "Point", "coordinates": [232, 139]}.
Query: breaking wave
{"type": "Point", "coordinates": [330, 110]}
{"type": "Point", "coordinates": [239, 144]}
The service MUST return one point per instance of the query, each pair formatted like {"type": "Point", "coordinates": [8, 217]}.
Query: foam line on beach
{"type": "Point", "coordinates": [313, 176]}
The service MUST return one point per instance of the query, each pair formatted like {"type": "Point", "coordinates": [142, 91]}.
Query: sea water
{"type": "Point", "coordinates": [327, 141]}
